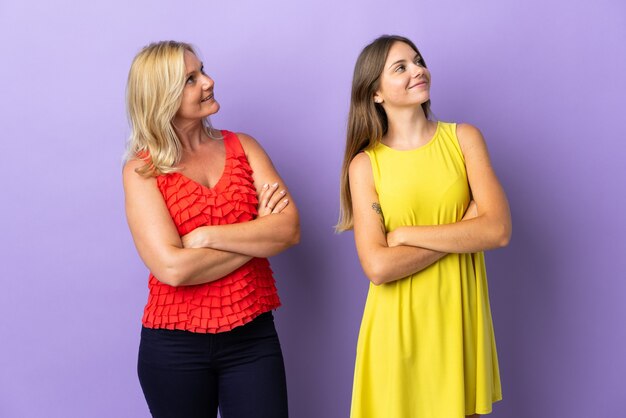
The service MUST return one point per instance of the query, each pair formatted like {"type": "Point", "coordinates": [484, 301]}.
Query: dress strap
{"type": "Point", "coordinates": [232, 144]}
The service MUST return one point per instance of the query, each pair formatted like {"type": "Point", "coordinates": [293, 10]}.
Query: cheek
{"type": "Point", "coordinates": [401, 83]}
{"type": "Point", "coordinates": [189, 103]}
{"type": "Point", "coordinates": [396, 88]}
{"type": "Point", "coordinates": [390, 87]}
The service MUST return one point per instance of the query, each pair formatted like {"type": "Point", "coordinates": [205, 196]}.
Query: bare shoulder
{"type": "Point", "coordinates": [130, 174]}
{"type": "Point", "coordinates": [249, 144]}
{"type": "Point", "coordinates": [469, 137]}
{"type": "Point", "coordinates": [360, 165]}
{"type": "Point", "coordinates": [360, 174]}
{"type": "Point", "coordinates": [130, 168]}
{"type": "Point", "coordinates": [133, 164]}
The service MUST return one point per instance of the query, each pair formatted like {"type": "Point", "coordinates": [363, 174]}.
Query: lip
{"type": "Point", "coordinates": [206, 99]}
{"type": "Point", "coordinates": [421, 83]}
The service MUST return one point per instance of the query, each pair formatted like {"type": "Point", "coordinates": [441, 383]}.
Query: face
{"type": "Point", "coordinates": [197, 101]}
{"type": "Point", "coordinates": [404, 80]}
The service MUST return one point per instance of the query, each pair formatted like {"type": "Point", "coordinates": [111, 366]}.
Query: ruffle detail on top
{"type": "Point", "coordinates": [240, 296]}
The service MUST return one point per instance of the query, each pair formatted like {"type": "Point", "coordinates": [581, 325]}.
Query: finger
{"type": "Point", "coordinates": [276, 197]}
{"type": "Point", "coordinates": [270, 195]}
{"type": "Point", "coordinates": [264, 196]}
{"type": "Point", "coordinates": [270, 192]}
{"type": "Point", "coordinates": [187, 243]}
{"type": "Point", "coordinates": [280, 206]}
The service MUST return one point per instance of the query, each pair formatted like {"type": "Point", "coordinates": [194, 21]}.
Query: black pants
{"type": "Point", "coordinates": [186, 375]}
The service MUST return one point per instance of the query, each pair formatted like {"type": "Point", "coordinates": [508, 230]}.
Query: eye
{"type": "Point", "coordinates": [190, 80]}
{"type": "Point", "coordinates": [399, 69]}
{"type": "Point", "coordinates": [418, 61]}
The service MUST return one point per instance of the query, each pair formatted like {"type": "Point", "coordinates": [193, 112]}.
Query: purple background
{"type": "Point", "coordinates": [543, 80]}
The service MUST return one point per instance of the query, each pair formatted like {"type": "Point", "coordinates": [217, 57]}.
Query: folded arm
{"type": "Point", "coordinates": [381, 263]}
{"type": "Point", "coordinates": [490, 229]}
{"type": "Point", "coordinates": [158, 242]}
{"type": "Point", "coordinates": [275, 229]}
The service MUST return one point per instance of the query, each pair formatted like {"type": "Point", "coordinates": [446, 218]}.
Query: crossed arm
{"type": "Point", "coordinates": [407, 250]}
{"type": "Point", "coordinates": [266, 235]}
{"type": "Point", "coordinates": [206, 254]}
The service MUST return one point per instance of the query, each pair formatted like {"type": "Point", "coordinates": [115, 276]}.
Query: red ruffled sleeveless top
{"type": "Point", "coordinates": [240, 296]}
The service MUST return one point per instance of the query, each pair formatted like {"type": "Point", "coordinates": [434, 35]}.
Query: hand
{"type": "Point", "coordinates": [271, 200]}
{"type": "Point", "coordinates": [471, 212]}
{"type": "Point", "coordinates": [394, 237]}
{"type": "Point", "coordinates": [198, 238]}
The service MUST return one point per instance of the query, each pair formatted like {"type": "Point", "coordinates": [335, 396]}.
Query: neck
{"type": "Point", "coordinates": [190, 133]}
{"type": "Point", "coordinates": [407, 127]}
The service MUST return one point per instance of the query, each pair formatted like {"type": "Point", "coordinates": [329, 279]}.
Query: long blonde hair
{"type": "Point", "coordinates": [367, 121]}
{"type": "Point", "coordinates": [153, 96]}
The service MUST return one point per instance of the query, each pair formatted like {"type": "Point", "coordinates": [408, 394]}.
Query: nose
{"type": "Point", "coordinates": [417, 70]}
{"type": "Point", "coordinates": [207, 82]}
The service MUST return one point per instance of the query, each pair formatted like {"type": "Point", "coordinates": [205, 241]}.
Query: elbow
{"type": "Point", "coordinates": [377, 281]}
{"type": "Point", "coordinates": [376, 273]}
{"type": "Point", "coordinates": [292, 237]}
{"type": "Point", "coordinates": [295, 236]}
{"type": "Point", "coordinates": [171, 275]}
{"type": "Point", "coordinates": [504, 241]}
{"type": "Point", "coordinates": [165, 279]}
{"type": "Point", "coordinates": [294, 231]}
{"type": "Point", "coordinates": [503, 236]}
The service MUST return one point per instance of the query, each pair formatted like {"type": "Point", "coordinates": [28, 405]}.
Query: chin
{"type": "Point", "coordinates": [423, 99]}
{"type": "Point", "coordinates": [213, 109]}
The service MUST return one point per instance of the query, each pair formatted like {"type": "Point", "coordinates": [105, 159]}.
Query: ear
{"type": "Point", "coordinates": [378, 98]}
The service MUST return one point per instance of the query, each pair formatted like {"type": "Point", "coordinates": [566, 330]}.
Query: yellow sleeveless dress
{"type": "Point", "coordinates": [426, 346]}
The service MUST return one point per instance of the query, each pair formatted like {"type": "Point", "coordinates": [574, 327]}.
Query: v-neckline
{"type": "Point", "coordinates": [212, 189]}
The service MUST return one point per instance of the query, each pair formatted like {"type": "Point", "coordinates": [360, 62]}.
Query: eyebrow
{"type": "Point", "coordinates": [195, 71]}
{"type": "Point", "coordinates": [397, 62]}
{"type": "Point", "coordinates": [403, 60]}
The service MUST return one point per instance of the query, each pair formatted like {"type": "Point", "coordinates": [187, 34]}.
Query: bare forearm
{"type": "Point", "coordinates": [468, 236]}
{"type": "Point", "coordinates": [191, 266]}
{"type": "Point", "coordinates": [388, 264]}
{"type": "Point", "coordinates": [262, 237]}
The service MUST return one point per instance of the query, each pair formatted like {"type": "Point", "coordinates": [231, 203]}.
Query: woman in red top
{"type": "Point", "coordinates": [205, 208]}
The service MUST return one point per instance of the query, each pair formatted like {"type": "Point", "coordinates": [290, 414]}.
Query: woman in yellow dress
{"type": "Point", "coordinates": [424, 203]}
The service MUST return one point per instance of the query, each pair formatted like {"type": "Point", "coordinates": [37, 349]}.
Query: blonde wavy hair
{"type": "Point", "coordinates": [153, 96]}
{"type": "Point", "coordinates": [367, 120]}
